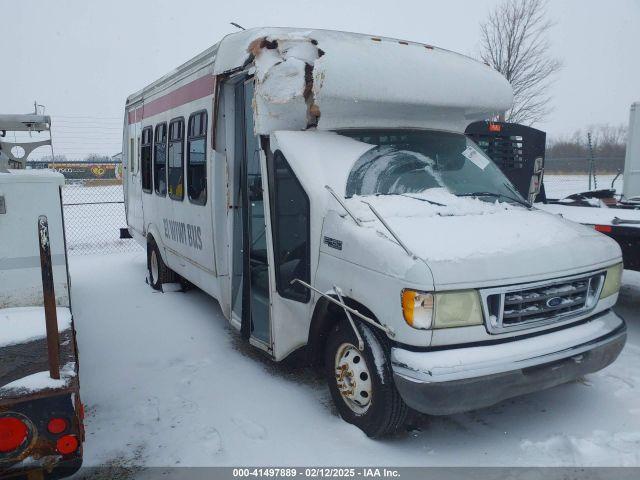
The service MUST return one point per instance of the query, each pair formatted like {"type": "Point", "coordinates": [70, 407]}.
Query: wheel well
{"type": "Point", "coordinates": [325, 316]}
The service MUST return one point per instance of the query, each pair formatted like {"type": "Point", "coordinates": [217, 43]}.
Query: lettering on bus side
{"type": "Point", "coordinates": [184, 233]}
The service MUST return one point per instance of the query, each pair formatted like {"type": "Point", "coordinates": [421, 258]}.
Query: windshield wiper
{"type": "Point", "coordinates": [495, 195]}
{"type": "Point", "coordinates": [423, 200]}
{"type": "Point", "coordinates": [513, 189]}
{"type": "Point", "coordinates": [410, 196]}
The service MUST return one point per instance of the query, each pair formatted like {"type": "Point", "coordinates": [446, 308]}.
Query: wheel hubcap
{"type": "Point", "coordinates": [154, 267]}
{"type": "Point", "coordinates": [353, 378]}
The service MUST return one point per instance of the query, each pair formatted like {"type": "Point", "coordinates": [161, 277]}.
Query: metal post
{"type": "Point", "coordinates": [592, 163]}
{"type": "Point", "coordinates": [48, 292]}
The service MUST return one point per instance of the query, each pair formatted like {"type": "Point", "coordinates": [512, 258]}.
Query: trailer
{"type": "Point", "coordinates": [518, 150]}
{"type": "Point", "coordinates": [320, 186]}
{"type": "Point", "coordinates": [41, 414]}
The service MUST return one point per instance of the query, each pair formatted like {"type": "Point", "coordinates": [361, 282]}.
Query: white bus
{"type": "Point", "coordinates": [318, 184]}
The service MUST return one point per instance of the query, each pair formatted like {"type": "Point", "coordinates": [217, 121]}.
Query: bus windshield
{"type": "Point", "coordinates": [413, 161]}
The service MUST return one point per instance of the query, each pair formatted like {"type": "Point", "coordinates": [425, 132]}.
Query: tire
{"type": "Point", "coordinates": [381, 411]}
{"type": "Point", "coordinates": [158, 272]}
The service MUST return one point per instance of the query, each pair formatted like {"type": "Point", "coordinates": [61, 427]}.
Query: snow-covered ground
{"type": "Point", "coordinates": [166, 382]}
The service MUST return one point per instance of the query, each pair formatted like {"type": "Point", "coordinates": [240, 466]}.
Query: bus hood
{"type": "Point", "coordinates": [469, 243]}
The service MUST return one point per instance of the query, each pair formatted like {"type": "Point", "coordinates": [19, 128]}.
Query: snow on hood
{"type": "Point", "coordinates": [464, 227]}
{"type": "Point", "coordinates": [469, 241]}
{"type": "Point", "coordinates": [25, 324]}
{"type": "Point", "coordinates": [446, 225]}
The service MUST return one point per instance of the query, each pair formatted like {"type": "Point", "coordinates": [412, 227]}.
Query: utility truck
{"type": "Point", "coordinates": [41, 415]}
{"type": "Point", "coordinates": [320, 186]}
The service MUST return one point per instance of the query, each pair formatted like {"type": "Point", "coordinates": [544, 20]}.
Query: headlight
{"type": "Point", "coordinates": [424, 310]}
{"type": "Point", "coordinates": [458, 309]}
{"type": "Point", "coordinates": [612, 281]}
{"type": "Point", "coordinates": [417, 309]}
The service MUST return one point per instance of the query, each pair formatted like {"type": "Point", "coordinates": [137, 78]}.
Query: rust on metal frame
{"type": "Point", "coordinates": [48, 292]}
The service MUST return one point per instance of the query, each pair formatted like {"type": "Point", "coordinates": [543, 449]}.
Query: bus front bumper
{"type": "Point", "coordinates": [443, 382]}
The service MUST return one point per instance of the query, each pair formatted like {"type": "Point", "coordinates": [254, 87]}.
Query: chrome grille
{"type": "Point", "coordinates": [524, 306]}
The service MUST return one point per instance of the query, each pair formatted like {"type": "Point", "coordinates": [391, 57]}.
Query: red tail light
{"type": "Point", "coordinates": [603, 228]}
{"type": "Point", "coordinates": [13, 434]}
{"type": "Point", "coordinates": [56, 426]}
{"type": "Point", "coordinates": [67, 444]}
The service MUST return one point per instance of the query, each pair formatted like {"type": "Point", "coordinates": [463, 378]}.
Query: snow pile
{"type": "Point", "coordinates": [282, 93]}
{"type": "Point", "coordinates": [25, 324]}
{"type": "Point", "coordinates": [40, 381]}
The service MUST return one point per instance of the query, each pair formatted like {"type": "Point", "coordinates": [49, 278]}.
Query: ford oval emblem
{"type": "Point", "coordinates": [554, 301]}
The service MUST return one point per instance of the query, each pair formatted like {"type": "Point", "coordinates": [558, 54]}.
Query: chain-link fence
{"type": "Point", "coordinates": [94, 208]}
{"type": "Point", "coordinates": [566, 176]}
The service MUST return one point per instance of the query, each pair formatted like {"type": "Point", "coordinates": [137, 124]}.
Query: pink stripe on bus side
{"type": "Point", "coordinates": [199, 88]}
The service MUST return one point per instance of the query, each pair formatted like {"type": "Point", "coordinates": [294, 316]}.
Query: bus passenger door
{"type": "Point", "coordinates": [290, 237]}
{"type": "Point", "coordinates": [250, 259]}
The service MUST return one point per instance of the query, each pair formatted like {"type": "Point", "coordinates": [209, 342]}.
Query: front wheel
{"type": "Point", "coordinates": [361, 383]}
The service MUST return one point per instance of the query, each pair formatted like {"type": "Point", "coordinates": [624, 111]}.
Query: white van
{"type": "Point", "coordinates": [319, 185]}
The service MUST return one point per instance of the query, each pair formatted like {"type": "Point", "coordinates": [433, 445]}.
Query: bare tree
{"type": "Point", "coordinates": [514, 42]}
{"type": "Point", "coordinates": [608, 141]}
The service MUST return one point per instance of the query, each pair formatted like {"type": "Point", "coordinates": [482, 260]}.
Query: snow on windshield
{"type": "Point", "coordinates": [413, 161]}
{"type": "Point", "coordinates": [434, 202]}
{"type": "Point", "coordinates": [386, 169]}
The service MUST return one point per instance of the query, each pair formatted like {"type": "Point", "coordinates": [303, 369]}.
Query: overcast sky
{"type": "Point", "coordinates": [82, 58]}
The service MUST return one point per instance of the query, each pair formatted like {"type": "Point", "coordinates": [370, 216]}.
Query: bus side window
{"type": "Point", "coordinates": [197, 158]}
{"type": "Point", "coordinates": [145, 159]}
{"type": "Point", "coordinates": [176, 159]}
{"type": "Point", "coordinates": [160, 160]}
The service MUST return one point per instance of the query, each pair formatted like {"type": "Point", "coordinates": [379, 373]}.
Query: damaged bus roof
{"type": "Point", "coordinates": [334, 80]}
